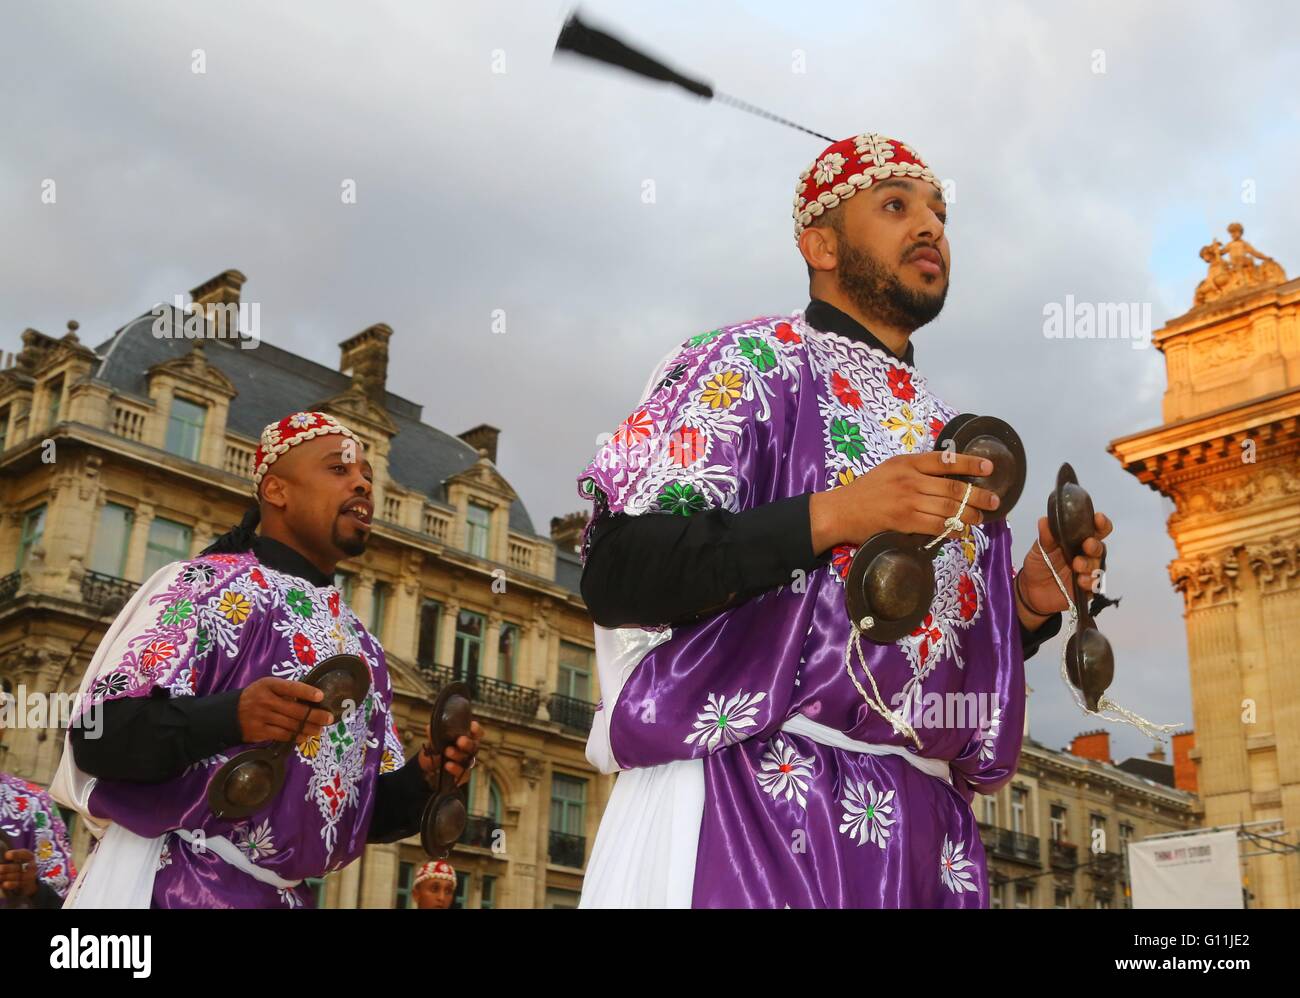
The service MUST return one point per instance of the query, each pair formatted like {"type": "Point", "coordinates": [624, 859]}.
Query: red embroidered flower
{"type": "Point", "coordinates": [156, 654]}
{"type": "Point", "coordinates": [928, 633]}
{"type": "Point", "coordinates": [333, 792]}
{"type": "Point", "coordinates": [966, 596]}
{"type": "Point", "coordinates": [936, 424]}
{"type": "Point", "coordinates": [224, 559]}
{"type": "Point", "coordinates": [846, 393]}
{"type": "Point", "coordinates": [256, 576]}
{"type": "Point", "coordinates": [54, 871]}
{"type": "Point", "coordinates": [841, 558]}
{"type": "Point", "coordinates": [21, 802]}
{"type": "Point", "coordinates": [636, 427]}
{"type": "Point", "coordinates": [900, 383]}
{"type": "Point", "coordinates": [333, 603]}
{"type": "Point", "coordinates": [686, 446]}
{"type": "Point", "coordinates": [786, 334]}
{"type": "Point", "coordinates": [304, 649]}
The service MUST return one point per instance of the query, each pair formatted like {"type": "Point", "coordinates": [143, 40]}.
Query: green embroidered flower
{"type": "Point", "coordinates": [369, 704]}
{"type": "Point", "coordinates": [680, 497]}
{"type": "Point", "coordinates": [701, 338]}
{"type": "Point", "coordinates": [758, 352]}
{"type": "Point", "coordinates": [299, 602]}
{"type": "Point", "coordinates": [202, 640]}
{"type": "Point", "coordinates": [178, 612]}
{"type": "Point", "coordinates": [341, 740]}
{"type": "Point", "coordinates": [40, 819]}
{"type": "Point", "coordinates": [847, 437]}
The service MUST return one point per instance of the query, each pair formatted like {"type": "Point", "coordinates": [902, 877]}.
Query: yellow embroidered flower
{"type": "Point", "coordinates": [44, 850]}
{"type": "Point", "coordinates": [847, 476]}
{"type": "Point", "coordinates": [968, 544]}
{"type": "Point", "coordinates": [722, 389]}
{"type": "Point", "coordinates": [906, 421]}
{"type": "Point", "coordinates": [234, 607]}
{"type": "Point", "coordinates": [310, 747]}
{"type": "Point", "coordinates": [386, 762]}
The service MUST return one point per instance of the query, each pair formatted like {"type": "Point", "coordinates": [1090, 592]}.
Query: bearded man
{"type": "Point", "coordinates": [727, 509]}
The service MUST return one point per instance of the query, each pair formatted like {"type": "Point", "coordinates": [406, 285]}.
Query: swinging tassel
{"type": "Point", "coordinates": [582, 39]}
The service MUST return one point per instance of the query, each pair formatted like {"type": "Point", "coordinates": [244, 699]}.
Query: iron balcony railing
{"type": "Point", "coordinates": [1063, 856]}
{"type": "Point", "coordinates": [518, 701]}
{"type": "Point", "coordinates": [570, 712]}
{"type": "Point", "coordinates": [481, 830]}
{"type": "Point", "coordinates": [1006, 844]}
{"type": "Point", "coordinates": [568, 850]}
{"type": "Point", "coordinates": [97, 589]}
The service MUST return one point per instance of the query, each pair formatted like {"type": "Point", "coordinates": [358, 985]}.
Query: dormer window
{"type": "Point", "coordinates": [480, 520]}
{"type": "Point", "coordinates": [185, 428]}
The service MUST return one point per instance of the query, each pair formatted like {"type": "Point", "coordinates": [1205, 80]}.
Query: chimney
{"type": "Point", "coordinates": [218, 299]}
{"type": "Point", "coordinates": [1157, 754]}
{"type": "Point", "coordinates": [365, 358]}
{"type": "Point", "coordinates": [1092, 745]}
{"type": "Point", "coordinates": [1184, 766]}
{"type": "Point", "coordinates": [483, 437]}
{"type": "Point", "coordinates": [566, 531]}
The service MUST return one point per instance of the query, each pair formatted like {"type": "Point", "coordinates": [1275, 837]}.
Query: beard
{"type": "Point", "coordinates": [350, 546]}
{"type": "Point", "coordinates": [875, 290]}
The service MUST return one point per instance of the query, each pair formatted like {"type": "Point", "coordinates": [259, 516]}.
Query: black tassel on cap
{"type": "Point", "coordinates": [237, 539]}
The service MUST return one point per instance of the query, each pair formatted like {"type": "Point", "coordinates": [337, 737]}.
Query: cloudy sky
{"type": "Point", "coordinates": [1093, 147]}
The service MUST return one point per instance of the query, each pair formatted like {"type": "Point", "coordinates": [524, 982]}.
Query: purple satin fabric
{"type": "Point", "coordinates": [225, 622]}
{"type": "Point", "coordinates": [833, 828]}
{"type": "Point", "coordinates": [30, 820]}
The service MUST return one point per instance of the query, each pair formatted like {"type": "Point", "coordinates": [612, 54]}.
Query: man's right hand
{"type": "Point", "coordinates": [271, 709]}
{"type": "Point", "coordinates": [909, 493]}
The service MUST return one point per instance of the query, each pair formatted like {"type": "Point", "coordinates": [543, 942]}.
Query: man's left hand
{"type": "Point", "coordinates": [18, 873]}
{"type": "Point", "coordinates": [1038, 588]}
{"type": "Point", "coordinates": [459, 758]}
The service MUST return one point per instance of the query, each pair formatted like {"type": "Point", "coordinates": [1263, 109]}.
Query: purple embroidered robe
{"type": "Point", "coordinates": [219, 623]}
{"type": "Point", "coordinates": [30, 820]}
{"type": "Point", "coordinates": [747, 415]}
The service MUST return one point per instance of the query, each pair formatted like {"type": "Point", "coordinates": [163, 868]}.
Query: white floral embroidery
{"type": "Point", "coordinates": [785, 772]}
{"type": "Point", "coordinates": [990, 735]}
{"type": "Point", "coordinates": [954, 868]}
{"type": "Point", "coordinates": [257, 842]}
{"type": "Point", "coordinates": [828, 168]}
{"type": "Point", "coordinates": [867, 813]}
{"type": "Point", "coordinates": [721, 722]}
{"type": "Point", "coordinates": [289, 897]}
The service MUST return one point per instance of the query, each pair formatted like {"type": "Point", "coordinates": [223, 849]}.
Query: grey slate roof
{"type": "Point", "coordinates": [273, 382]}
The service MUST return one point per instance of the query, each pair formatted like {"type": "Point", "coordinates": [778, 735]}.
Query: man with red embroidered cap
{"type": "Point", "coordinates": [207, 659]}
{"type": "Point", "coordinates": [727, 509]}
{"type": "Point", "coordinates": [435, 885]}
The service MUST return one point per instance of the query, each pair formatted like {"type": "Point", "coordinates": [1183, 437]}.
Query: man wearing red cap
{"type": "Point", "coordinates": [435, 885]}
{"type": "Point", "coordinates": [727, 509]}
{"type": "Point", "coordinates": [206, 660]}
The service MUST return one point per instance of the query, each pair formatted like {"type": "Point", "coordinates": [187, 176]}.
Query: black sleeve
{"type": "Point", "coordinates": [664, 569]}
{"type": "Point", "coordinates": [152, 739]}
{"type": "Point", "coordinates": [400, 797]}
{"type": "Point", "coordinates": [661, 568]}
{"type": "Point", "coordinates": [46, 897]}
{"type": "Point", "coordinates": [1030, 640]}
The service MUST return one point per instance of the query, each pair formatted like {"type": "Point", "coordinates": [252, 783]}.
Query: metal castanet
{"type": "Point", "coordinates": [1089, 660]}
{"type": "Point", "coordinates": [445, 814]}
{"type": "Point", "coordinates": [890, 583]}
{"type": "Point", "coordinates": [251, 779]}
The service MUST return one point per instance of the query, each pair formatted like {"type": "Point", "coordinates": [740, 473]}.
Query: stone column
{"type": "Point", "coordinates": [492, 648]}
{"type": "Point", "coordinates": [379, 877]}
{"type": "Point", "coordinates": [135, 552]}
{"type": "Point", "coordinates": [363, 593]}
{"type": "Point", "coordinates": [446, 651]}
